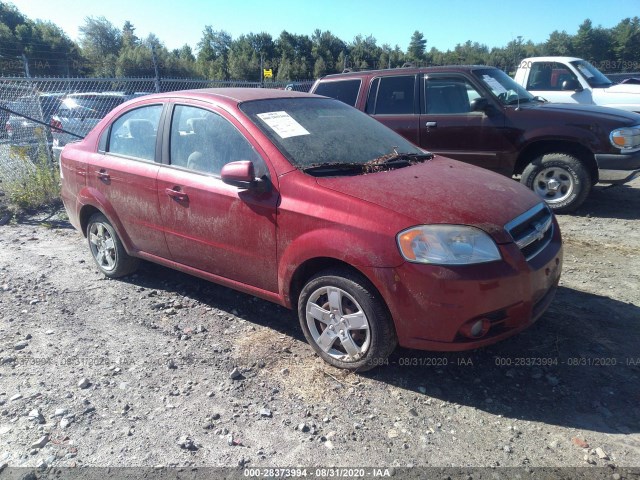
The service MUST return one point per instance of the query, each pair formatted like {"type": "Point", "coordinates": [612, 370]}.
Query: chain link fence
{"type": "Point", "coordinates": [39, 115]}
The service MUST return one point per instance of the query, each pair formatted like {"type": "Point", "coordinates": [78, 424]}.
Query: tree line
{"type": "Point", "coordinates": [41, 48]}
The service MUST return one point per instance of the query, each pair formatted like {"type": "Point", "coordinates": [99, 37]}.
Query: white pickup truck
{"type": "Point", "coordinates": [573, 80]}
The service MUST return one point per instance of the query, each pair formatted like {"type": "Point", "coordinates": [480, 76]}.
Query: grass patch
{"type": "Point", "coordinates": [30, 181]}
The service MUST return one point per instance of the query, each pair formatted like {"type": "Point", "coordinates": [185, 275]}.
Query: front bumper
{"type": "Point", "coordinates": [431, 304]}
{"type": "Point", "coordinates": [618, 168]}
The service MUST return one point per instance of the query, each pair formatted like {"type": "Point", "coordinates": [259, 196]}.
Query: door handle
{"type": "Point", "coordinates": [431, 124]}
{"type": "Point", "coordinates": [177, 194]}
{"type": "Point", "coordinates": [103, 175]}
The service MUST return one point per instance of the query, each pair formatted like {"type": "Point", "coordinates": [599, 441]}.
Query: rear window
{"type": "Point", "coordinates": [392, 95]}
{"type": "Point", "coordinates": [92, 107]}
{"type": "Point", "coordinates": [344, 90]}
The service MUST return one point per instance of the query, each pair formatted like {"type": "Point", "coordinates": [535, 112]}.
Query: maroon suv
{"type": "Point", "coordinates": [480, 115]}
{"type": "Point", "coordinates": [311, 204]}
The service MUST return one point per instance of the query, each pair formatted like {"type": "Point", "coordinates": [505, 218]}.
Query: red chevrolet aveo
{"type": "Point", "coordinates": [309, 203]}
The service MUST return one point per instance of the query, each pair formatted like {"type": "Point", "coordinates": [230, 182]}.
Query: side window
{"type": "Point", "coordinates": [548, 76]}
{"type": "Point", "coordinates": [394, 96]}
{"type": "Point", "coordinates": [448, 95]}
{"type": "Point", "coordinates": [134, 133]}
{"type": "Point", "coordinates": [344, 90]}
{"type": "Point", "coordinates": [205, 141]}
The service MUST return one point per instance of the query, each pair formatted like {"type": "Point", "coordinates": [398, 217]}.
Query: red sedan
{"type": "Point", "coordinates": [309, 203]}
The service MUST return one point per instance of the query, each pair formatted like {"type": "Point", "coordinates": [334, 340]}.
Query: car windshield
{"type": "Point", "coordinates": [594, 77]}
{"type": "Point", "coordinates": [320, 132]}
{"type": "Point", "coordinates": [503, 86]}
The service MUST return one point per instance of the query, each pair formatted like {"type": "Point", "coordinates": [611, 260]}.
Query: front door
{"type": "Point", "coordinates": [555, 82]}
{"type": "Point", "coordinates": [450, 127]}
{"type": "Point", "coordinates": [209, 225]}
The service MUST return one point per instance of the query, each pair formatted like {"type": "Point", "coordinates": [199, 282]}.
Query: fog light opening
{"type": "Point", "coordinates": [476, 328]}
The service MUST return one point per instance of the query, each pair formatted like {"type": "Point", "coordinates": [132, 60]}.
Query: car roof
{"type": "Point", "coordinates": [551, 59]}
{"type": "Point", "coordinates": [237, 94]}
{"type": "Point", "coordinates": [405, 71]}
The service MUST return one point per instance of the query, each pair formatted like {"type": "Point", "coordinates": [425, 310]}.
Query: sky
{"type": "Point", "coordinates": [444, 23]}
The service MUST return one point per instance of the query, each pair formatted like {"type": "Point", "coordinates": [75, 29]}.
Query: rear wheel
{"type": "Point", "coordinates": [345, 320]}
{"type": "Point", "coordinates": [560, 179]}
{"type": "Point", "coordinates": [107, 249]}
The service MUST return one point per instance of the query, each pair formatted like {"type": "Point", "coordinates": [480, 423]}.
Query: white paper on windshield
{"type": "Point", "coordinates": [283, 124]}
{"type": "Point", "coordinates": [585, 71]}
{"type": "Point", "coordinates": [494, 84]}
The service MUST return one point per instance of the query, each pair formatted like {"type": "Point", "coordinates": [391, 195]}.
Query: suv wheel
{"type": "Point", "coordinates": [107, 249]}
{"type": "Point", "coordinates": [345, 320]}
{"type": "Point", "coordinates": [559, 179]}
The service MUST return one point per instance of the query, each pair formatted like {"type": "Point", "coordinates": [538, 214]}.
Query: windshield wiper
{"type": "Point", "coordinates": [331, 168]}
{"type": "Point", "coordinates": [396, 160]}
{"type": "Point", "coordinates": [519, 100]}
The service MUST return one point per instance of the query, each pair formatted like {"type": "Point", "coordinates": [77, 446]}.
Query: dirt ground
{"type": "Point", "coordinates": [137, 371]}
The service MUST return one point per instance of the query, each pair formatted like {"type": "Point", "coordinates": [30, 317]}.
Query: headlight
{"type": "Point", "coordinates": [447, 245]}
{"type": "Point", "coordinates": [626, 139]}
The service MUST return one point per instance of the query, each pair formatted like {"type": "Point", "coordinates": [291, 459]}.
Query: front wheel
{"type": "Point", "coordinates": [107, 249]}
{"type": "Point", "coordinates": [345, 320]}
{"type": "Point", "coordinates": [560, 179]}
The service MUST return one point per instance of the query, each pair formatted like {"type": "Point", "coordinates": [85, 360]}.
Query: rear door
{"type": "Point", "coordinates": [393, 101]}
{"type": "Point", "coordinates": [124, 174]}
{"type": "Point", "coordinates": [209, 225]}
{"type": "Point", "coordinates": [450, 127]}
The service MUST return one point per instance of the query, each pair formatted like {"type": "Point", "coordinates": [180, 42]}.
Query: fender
{"type": "Point", "coordinates": [570, 134]}
{"type": "Point", "coordinates": [91, 197]}
{"type": "Point", "coordinates": [334, 244]}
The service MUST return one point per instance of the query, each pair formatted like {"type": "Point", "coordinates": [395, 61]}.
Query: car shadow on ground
{"type": "Point", "coordinates": [578, 367]}
{"type": "Point", "coordinates": [612, 201]}
{"type": "Point", "coordinates": [247, 307]}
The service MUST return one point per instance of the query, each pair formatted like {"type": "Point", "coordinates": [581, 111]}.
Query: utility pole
{"type": "Point", "coordinates": [25, 60]}
{"type": "Point", "coordinates": [262, 69]}
{"type": "Point", "coordinates": [155, 69]}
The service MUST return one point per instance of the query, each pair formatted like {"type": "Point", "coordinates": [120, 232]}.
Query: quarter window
{"type": "Point", "coordinates": [134, 133]}
{"type": "Point", "coordinates": [204, 141]}
{"type": "Point", "coordinates": [344, 90]}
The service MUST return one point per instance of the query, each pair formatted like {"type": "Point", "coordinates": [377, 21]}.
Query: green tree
{"type": "Point", "coordinates": [417, 46]}
{"type": "Point", "coordinates": [213, 53]}
{"type": "Point", "coordinates": [364, 53]}
{"type": "Point", "coordinates": [626, 42]}
{"type": "Point", "coordinates": [320, 68]}
{"type": "Point", "coordinates": [100, 41]}
{"type": "Point", "coordinates": [129, 39]}
{"type": "Point", "coordinates": [558, 43]}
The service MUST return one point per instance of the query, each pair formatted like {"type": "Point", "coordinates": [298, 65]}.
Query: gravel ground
{"type": "Point", "coordinates": [163, 369]}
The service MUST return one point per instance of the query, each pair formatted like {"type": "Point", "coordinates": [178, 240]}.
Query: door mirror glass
{"type": "Point", "coordinates": [571, 84]}
{"type": "Point", "coordinates": [479, 104]}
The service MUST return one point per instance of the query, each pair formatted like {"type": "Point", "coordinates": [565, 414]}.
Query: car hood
{"type": "Point", "coordinates": [442, 190]}
{"type": "Point", "coordinates": [622, 88]}
{"type": "Point", "coordinates": [591, 111]}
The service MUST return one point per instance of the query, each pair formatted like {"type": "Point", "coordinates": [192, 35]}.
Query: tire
{"type": "Point", "coordinates": [355, 301]}
{"type": "Point", "coordinates": [107, 249]}
{"type": "Point", "coordinates": [560, 179]}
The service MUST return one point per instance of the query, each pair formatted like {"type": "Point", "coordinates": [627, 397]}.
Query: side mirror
{"type": "Point", "coordinates": [242, 175]}
{"type": "Point", "coordinates": [572, 84]}
{"type": "Point", "coordinates": [479, 104]}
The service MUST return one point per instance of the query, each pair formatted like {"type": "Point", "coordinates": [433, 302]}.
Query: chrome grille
{"type": "Point", "coordinates": [532, 231]}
